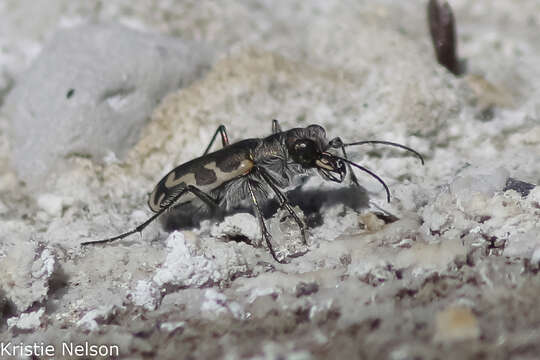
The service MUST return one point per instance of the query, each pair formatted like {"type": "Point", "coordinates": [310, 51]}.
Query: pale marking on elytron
{"type": "Point", "coordinates": [221, 176]}
{"type": "Point", "coordinates": [154, 205]}
{"type": "Point", "coordinates": [189, 179]}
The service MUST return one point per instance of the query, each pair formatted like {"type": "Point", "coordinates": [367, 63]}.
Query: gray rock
{"type": "Point", "coordinates": [90, 91]}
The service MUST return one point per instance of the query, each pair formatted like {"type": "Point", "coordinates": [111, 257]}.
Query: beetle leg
{"type": "Point", "coordinates": [204, 197]}
{"type": "Point", "coordinates": [207, 199]}
{"type": "Point", "coordinates": [224, 138]}
{"type": "Point", "coordinates": [141, 227]}
{"type": "Point", "coordinates": [265, 233]}
{"type": "Point", "coordinates": [284, 202]}
{"type": "Point", "coordinates": [275, 127]}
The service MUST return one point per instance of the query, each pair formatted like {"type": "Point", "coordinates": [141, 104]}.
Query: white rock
{"type": "Point", "coordinates": [477, 179]}
{"type": "Point", "coordinates": [216, 304]}
{"type": "Point", "coordinates": [90, 91]}
{"type": "Point", "coordinates": [237, 224]}
{"type": "Point", "coordinates": [27, 321]}
{"type": "Point", "coordinates": [51, 204]}
{"type": "Point", "coordinates": [535, 258]}
{"type": "Point", "coordinates": [26, 272]}
{"type": "Point", "coordinates": [182, 266]}
{"type": "Point", "coordinates": [171, 326]}
{"type": "Point", "coordinates": [146, 294]}
{"type": "Point", "coordinates": [523, 244]}
{"type": "Point", "coordinates": [44, 267]}
{"type": "Point", "coordinates": [193, 262]}
{"type": "Point", "coordinates": [91, 320]}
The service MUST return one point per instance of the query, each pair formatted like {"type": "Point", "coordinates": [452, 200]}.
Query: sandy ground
{"type": "Point", "coordinates": [455, 277]}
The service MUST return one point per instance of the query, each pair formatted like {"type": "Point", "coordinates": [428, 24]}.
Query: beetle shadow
{"type": "Point", "coordinates": [310, 201]}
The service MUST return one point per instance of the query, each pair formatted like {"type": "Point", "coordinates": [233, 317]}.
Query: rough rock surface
{"type": "Point", "coordinates": [90, 91]}
{"type": "Point", "coordinates": [455, 276]}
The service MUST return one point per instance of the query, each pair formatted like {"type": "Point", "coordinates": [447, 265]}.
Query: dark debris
{"type": "Point", "coordinates": [305, 289]}
{"type": "Point", "coordinates": [522, 187]}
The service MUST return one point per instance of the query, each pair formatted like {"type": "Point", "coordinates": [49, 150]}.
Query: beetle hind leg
{"type": "Point", "coordinates": [209, 201]}
{"type": "Point", "coordinates": [142, 226]}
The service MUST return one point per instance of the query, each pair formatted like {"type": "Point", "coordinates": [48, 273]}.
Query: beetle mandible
{"type": "Point", "coordinates": [250, 168]}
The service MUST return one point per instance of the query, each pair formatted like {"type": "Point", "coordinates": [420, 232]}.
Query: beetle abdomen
{"type": "Point", "coordinates": [206, 173]}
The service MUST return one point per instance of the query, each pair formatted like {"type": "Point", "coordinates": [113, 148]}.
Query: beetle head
{"type": "Point", "coordinates": [307, 147]}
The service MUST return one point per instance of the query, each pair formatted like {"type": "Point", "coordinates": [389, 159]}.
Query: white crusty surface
{"type": "Point", "coordinates": [456, 277]}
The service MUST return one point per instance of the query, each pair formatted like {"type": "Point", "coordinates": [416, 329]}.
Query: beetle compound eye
{"type": "Point", "coordinates": [305, 152]}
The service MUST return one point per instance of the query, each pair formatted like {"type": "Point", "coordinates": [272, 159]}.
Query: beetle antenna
{"type": "Point", "coordinates": [390, 144]}
{"type": "Point", "coordinates": [370, 173]}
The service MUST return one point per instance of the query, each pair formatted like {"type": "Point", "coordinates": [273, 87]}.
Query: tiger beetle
{"type": "Point", "coordinates": [250, 169]}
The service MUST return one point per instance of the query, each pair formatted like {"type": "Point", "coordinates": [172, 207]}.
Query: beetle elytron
{"type": "Point", "coordinates": [250, 168]}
